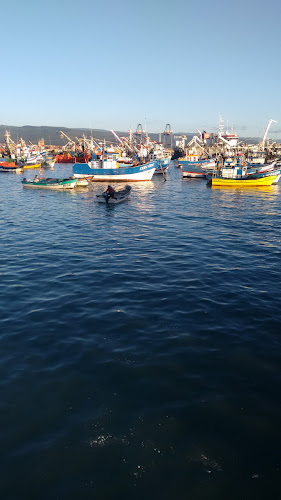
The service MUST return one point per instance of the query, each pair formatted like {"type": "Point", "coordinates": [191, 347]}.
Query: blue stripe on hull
{"type": "Point", "coordinates": [85, 169]}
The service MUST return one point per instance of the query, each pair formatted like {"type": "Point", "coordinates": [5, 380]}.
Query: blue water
{"type": "Point", "coordinates": [140, 352]}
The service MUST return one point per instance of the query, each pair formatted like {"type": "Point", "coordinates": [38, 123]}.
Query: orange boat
{"type": "Point", "coordinates": [68, 158]}
{"type": "Point", "coordinates": [7, 164]}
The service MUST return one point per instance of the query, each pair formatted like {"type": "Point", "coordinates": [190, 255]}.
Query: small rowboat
{"type": "Point", "coordinates": [119, 196]}
{"type": "Point", "coordinates": [50, 183]}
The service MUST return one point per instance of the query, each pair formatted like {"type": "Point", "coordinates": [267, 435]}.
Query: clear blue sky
{"type": "Point", "coordinates": [111, 64]}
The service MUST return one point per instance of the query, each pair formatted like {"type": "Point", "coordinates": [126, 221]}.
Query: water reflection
{"type": "Point", "coordinates": [250, 190]}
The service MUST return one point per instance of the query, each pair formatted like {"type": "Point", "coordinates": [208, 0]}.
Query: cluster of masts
{"type": "Point", "coordinates": [203, 142]}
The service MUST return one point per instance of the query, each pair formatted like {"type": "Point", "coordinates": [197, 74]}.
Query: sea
{"type": "Point", "coordinates": [140, 343]}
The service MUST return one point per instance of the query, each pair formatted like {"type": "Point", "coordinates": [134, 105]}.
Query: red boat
{"type": "Point", "coordinates": [71, 158]}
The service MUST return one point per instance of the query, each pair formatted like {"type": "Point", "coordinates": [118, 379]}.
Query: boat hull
{"type": "Point", "coordinates": [266, 180]}
{"type": "Point", "coordinates": [190, 174]}
{"type": "Point", "coordinates": [56, 184]}
{"type": "Point", "coordinates": [11, 170]}
{"type": "Point", "coordinates": [196, 169]}
{"type": "Point", "coordinates": [68, 158]}
{"type": "Point", "coordinates": [120, 174]}
{"type": "Point", "coordinates": [119, 196]}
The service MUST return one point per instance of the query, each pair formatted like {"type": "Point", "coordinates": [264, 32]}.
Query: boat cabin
{"type": "Point", "coordinates": [233, 172]}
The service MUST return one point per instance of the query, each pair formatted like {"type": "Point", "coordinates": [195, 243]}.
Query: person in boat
{"type": "Point", "coordinates": [36, 178]}
{"type": "Point", "coordinates": [110, 192]}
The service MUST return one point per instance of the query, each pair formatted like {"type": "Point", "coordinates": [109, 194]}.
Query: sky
{"type": "Point", "coordinates": [114, 64]}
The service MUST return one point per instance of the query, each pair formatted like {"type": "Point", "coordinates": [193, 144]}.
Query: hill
{"type": "Point", "coordinates": [51, 135]}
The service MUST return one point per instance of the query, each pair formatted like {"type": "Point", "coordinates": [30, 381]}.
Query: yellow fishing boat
{"type": "Point", "coordinates": [31, 165]}
{"type": "Point", "coordinates": [266, 180]}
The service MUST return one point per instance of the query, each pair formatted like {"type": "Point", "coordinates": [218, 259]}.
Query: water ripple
{"type": "Point", "coordinates": [140, 342]}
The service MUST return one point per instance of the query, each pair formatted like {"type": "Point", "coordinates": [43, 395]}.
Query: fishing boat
{"type": "Point", "coordinates": [195, 167]}
{"type": "Point", "coordinates": [162, 157]}
{"type": "Point", "coordinates": [49, 162]}
{"type": "Point", "coordinates": [119, 196]}
{"type": "Point", "coordinates": [238, 177]}
{"type": "Point", "coordinates": [260, 168]}
{"type": "Point", "coordinates": [10, 167]}
{"type": "Point", "coordinates": [34, 159]}
{"type": "Point", "coordinates": [108, 168]}
{"type": "Point", "coordinates": [266, 180]}
{"type": "Point", "coordinates": [72, 158]}
{"type": "Point", "coordinates": [50, 183]}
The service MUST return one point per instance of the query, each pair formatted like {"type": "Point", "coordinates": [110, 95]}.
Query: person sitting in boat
{"type": "Point", "coordinates": [110, 192]}
{"type": "Point", "coordinates": [36, 178]}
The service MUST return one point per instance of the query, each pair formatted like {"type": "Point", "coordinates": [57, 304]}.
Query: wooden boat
{"type": "Point", "coordinates": [10, 167]}
{"type": "Point", "coordinates": [51, 183]}
{"type": "Point", "coordinates": [248, 180]}
{"type": "Point", "coordinates": [119, 196]}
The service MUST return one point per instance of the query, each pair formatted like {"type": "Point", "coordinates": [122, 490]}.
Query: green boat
{"type": "Point", "coordinates": [50, 183]}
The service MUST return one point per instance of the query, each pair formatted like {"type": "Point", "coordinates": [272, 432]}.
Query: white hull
{"type": "Point", "coordinates": [146, 175]}
{"type": "Point", "coordinates": [11, 170]}
{"type": "Point", "coordinates": [48, 164]}
{"type": "Point", "coordinates": [72, 186]}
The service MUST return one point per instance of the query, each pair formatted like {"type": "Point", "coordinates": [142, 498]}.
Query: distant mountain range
{"type": "Point", "coordinates": [52, 136]}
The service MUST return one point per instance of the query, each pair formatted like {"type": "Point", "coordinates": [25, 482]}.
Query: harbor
{"type": "Point", "coordinates": [220, 157]}
{"type": "Point", "coordinates": [140, 200]}
{"type": "Point", "coordinates": [140, 349]}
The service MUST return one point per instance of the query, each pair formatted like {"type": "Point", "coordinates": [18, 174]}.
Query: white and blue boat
{"type": "Point", "coordinates": [163, 160]}
{"type": "Point", "coordinates": [34, 158]}
{"type": "Point", "coordinates": [108, 168]}
{"type": "Point", "coordinates": [193, 166]}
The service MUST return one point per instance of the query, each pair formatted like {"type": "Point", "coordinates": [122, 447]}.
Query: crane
{"type": "Point", "coordinates": [168, 130]}
{"type": "Point", "coordinates": [266, 132]}
{"type": "Point", "coordinates": [70, 140]}
{"type": "Point", "coordinates": [195, 141]}
{"type": "Point", "coordinates": [139, 130]}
